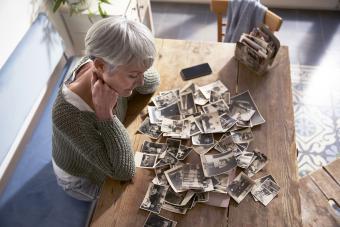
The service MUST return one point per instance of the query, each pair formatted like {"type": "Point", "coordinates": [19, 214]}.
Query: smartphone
{"type": "Point", "coordinates": [196, 71]}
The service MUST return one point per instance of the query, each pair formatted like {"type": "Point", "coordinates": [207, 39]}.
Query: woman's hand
{"type": "Point", "coordinates": [104, 98]}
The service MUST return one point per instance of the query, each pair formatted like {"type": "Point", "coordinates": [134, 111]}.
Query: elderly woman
{"type": "Point", "coordinates": [90, 142]}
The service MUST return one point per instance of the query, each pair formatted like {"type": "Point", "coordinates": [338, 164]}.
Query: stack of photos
{"type": "Point", "coordinates": [193, 121]}
{"type": "Point", "coordinates": [258, 49]}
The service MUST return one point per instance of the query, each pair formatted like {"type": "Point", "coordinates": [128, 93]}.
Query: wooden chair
{"type": "Point", "coordinates": [219, 7]}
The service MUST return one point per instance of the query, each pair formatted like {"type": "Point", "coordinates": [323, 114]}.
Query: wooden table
{"type": "Point", "coordinates": [119, 202]}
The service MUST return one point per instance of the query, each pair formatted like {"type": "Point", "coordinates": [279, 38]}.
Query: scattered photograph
{"type": "Point", "coordinates": [220, 107]}
{"type": "Point", "coordinates": [203, 139]}
{"type": "Point", "coordinates": [199, 98]}
{"type": "Point", "coordinates": [175, 91]}
{"type": "Point", "coordinates": [242, 136]}
{"type": "Point", "coordinates": [170, 110]}
{"type": "Point", "coordinates": [183, 152]}
{"type": "Point", "coordinates": [239, 99]}
{"type": "Point", "coordinates": [160, 176]}
{"type": "Point", "coordinates": [260, 181]}
{"type": "Point", "coordinates": [165, 99]}
{"type": "Point", "coordinates": [216, 86]}
{"type": "Point", "coordinates": [172, 127]}
{"type": "Point", "coordinates": [155, 220]}
{"type": "Point", "coordinates": [154, 115]}
{"type": "Point", "coordinates": [198, 122]}
{"type": "Point", "coordinates": [260, 160]}
{"type": "Point", "coordinates": [146, 161]}
{"type": "Point", "coordinates": [214, 96]}
{"type": "Point", "coordinates": [153, 148]}
{"type": "Point", "coordinates": [211, 123]}
{"type": "Point", "coordinates": [154, 198]}
{"type": "Point", "coordinates": [178, 199]}
{"type": "Point", "coordinates": [227, 122]}
{"type": "Point", "coordinates": [186, 128]}
{"type": "Point", "coordinates": [167, 159]}
{"type": "Point", "coordinates": [226, 145]}
{"type": "Point", "coordinates": [221, 181]}
{"type": "Point", "coordinates": [151, 130]}
{"type": "Point", "coordinates": [193, 178]}
{"type": "Point", "coordinates": [244, 159]}
{"type": "Point", "coordinates": [187, 104]}
{"type": "Point", "coordinates": [175, 178]}
{"type": "Point", "coordinates": [226, 97]}
{"type": "Point", "coordinates": [240, 187]}
{"type": "Point", "coordinates": [194, 129]}
{"type": "Point", "coordinates": [217, 164]}
{"type": "Point", "coordinates": [266, 191]}
{"type": "Point", "coordinates": [172, 146]}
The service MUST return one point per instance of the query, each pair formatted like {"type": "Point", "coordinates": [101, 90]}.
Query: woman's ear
{"type": "Point", "coordinates": [99, 64]}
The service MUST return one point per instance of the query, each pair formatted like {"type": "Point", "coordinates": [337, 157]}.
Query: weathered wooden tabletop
{"type": "Point", "coordinates": [119, 203]}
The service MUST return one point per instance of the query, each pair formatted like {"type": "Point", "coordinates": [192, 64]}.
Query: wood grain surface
{"type": "Point", "coordinates": [119, 203]}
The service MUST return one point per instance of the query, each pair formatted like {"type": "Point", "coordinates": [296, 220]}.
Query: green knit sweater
{"type": "Point", "coordinates": [86, 147]}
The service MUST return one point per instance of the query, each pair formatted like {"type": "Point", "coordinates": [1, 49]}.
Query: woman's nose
{"type": "Point", "coordinates": [141, 80]}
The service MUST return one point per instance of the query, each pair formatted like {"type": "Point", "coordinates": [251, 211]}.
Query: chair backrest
{"type": "Point", "coordinates": [219, 7]}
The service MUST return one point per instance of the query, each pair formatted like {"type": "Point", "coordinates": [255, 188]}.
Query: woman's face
{"type": "Point", "coordinates": [123, 79]}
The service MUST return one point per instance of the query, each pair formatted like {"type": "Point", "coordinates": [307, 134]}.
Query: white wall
{"type": "Point", "coordinates": [293, 4]}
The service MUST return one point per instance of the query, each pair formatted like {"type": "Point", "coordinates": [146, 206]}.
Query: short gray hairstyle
{"type": "Point", "coordinates": [120, 41]}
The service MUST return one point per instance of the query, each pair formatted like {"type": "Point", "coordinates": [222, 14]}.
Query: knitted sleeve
{"type": "Point", "coordinates": [151, 82]}
{"type": "Point", "coordinates": [113, 148]}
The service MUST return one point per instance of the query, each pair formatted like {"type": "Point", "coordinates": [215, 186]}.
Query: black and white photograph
{"type": "Point", "coordinates": [193, 178]}
{"type": "Point", "coordinates": [194, 129]}
{"type": "Point", "coordinates": [216, 86]}
{"type": "Point", "coordinates": [153, 148]}
{"type": "Point", "coordinates": [170, 110]}
{"type": "Point", "coordinates": [219, 106]}
{"type": "Point", "coordinates": [260, 160]}
{"type": "Point", "coordinates": [244, 159]}
{"type": "Point", "coordinates": [266, 191]}
{"type": "Point", "coordinates": [186, 128]}
{"type": "Point", "coordinates": [154, 115]}
{"type": "Point", "coordinates": [160, 176]}
{"type": "Point", "coordinates": [178, 199]}
{"type": "Point", "coordinates": [151, 130]}
{"type": "Point", "coordinates": [226, 145]}
{"type": "Point", "coordinates": [175, 178]}
{"type": "Point", "coordinates": [221, 181]}
{"type": "Point", "coordinates": [217, 164]}
{"type": "Point", "coordinates": [260, 181]}
{"type": "Point", "coordinates": [146, 161]}
{"type": "Point", "coordinates": [199, 123]}
{"type": "Point", "coordinates": [187, 104]}
{"type": "Point", "coordinates": [214, 96]}
{"type": "Point", "coordinates": [227, 122]}
{"type": "Point", "coordinates": [226, 97]}
{"type": "Point", "coordinates": [172, 146]}
{"type": "Point", "coordinates": [183, 152]}
{"type": "Point", "coordinates": [240, 187]}
{"type": "Point", "coordinates": [155, 220]}
{"type": "Point", "coordinates": [211, 123]}
{"type": "Point", "coordinates": [174, 91]}
{"type": "Point", "coordinates": [257, 118]}
{"type": "Point", "coordinates": [154, 198]}
{"type": "Point", "coordinates": [199, 98]}
{"type": "Point", "coordinates": [168, 159]}
{"type": "Point", "coordinates": [242, 136]}
{"type": "Point", "coordinates": [203, 139]}
{"type": "Point", "coordinates": [172, 127]}
{"type": "Point", "coordinates": [165, 99]}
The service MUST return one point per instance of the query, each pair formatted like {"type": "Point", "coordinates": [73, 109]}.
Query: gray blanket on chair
{"type": "Point", "coordinates": [242, 17]}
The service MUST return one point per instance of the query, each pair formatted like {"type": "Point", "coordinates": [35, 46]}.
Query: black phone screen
{"type": "Point", "coordinates": [196, 71]}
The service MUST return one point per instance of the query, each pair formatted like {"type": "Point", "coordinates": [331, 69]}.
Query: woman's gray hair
{"type": "Point", "coordinates": [120, 41]}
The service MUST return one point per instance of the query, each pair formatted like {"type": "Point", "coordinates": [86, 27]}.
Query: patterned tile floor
{"type": "Point", "coordinates": [313, 38]}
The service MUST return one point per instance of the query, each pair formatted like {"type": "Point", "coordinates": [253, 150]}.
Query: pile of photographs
{"type": "Point", "coordinates": [188, 121]}
{"type": "Point", "coordinates": [258, 49]}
